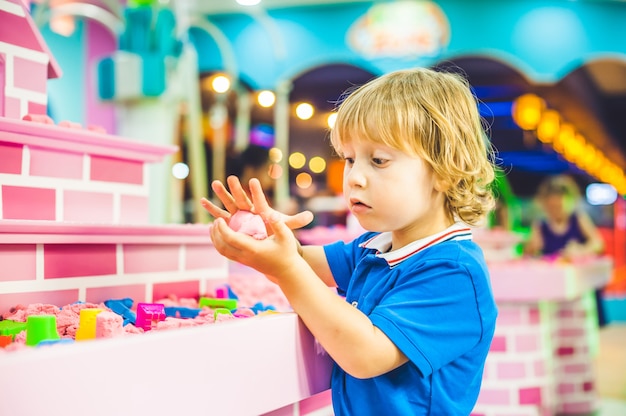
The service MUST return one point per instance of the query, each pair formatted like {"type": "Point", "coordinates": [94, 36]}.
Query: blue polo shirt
{"type": "Point", "coordinates": [433, 299]}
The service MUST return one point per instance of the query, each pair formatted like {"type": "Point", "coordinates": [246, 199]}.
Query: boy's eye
{"type": "Point", "coordinates": [378, 161]}
{"type": "Point", "coordinates": [349, 160]}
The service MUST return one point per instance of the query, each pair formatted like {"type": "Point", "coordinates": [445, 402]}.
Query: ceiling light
{"type": "Point", "coordinates": [304, 111]}
{"type": "Point", "coordinates": [248, 2]}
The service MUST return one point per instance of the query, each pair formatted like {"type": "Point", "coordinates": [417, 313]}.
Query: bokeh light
{"type": "Point", "coordinates": [304, 180]}
{"type": "Point", "coordinates": [332, 118]}
{"type": "Point", "coordinates": [276, 155]}
{"type": "Point", "coordinates": [180, 170]}
{"type": "Point", "coordinates": [220, 84]}
{"type": "Point", "coordinates": [297, 160]}
{"type": "Point", "coordinates": [304, 111]}
{"type": "Point", "coordinates": [266, 98]}
{"type": "Point", "coordinates": [317, 164]}
{"type": "Point", "coordinates": [275, 171]}
{"type": "Point", "coordinates": [526, 111]}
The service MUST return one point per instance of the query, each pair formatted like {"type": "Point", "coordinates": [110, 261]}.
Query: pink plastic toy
{"type": "Point", "coordinates": [149, 315]}
{"type": "Point", "coordinates": [248, 223]}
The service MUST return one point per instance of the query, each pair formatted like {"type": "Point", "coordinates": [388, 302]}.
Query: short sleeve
{"type": "Point", "coordinates": [342, 259]}
{"type": "Point", "coordinates": [432, 314]}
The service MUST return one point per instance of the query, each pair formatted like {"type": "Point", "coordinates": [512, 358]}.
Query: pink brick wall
{"type": "Point", "coordinates": [515, 380]}
{"type": "Point", "coordinates": [573, 334]}
{"type": "Point", "coordinates": [540, 361]}
{"type": "Point", "coordinates": [78, 201]}
{"type": "Point", "coordinates": [86, 160]}
{"type": "Point", "coordinates": [96, 265]}
{"type": "Point", "coordinates": [10, 158]}
{"type": "Point", "coordinates": [22, 203]}
{"type": "Point", "coordinates": [143, 263]}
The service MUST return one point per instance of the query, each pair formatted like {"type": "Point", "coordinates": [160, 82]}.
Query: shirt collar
{"type": "Point", "coordinates": [382, 242]}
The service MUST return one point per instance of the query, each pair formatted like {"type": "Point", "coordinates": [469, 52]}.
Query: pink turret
{"type": "Point", "coordinates": [26, 63]}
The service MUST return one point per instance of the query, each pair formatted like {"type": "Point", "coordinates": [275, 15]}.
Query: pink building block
{"type": "Point", "coordinates": [149, 315]}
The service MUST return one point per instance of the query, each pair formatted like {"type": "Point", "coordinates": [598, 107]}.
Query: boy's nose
{"type": "Point", "coordinates": [356, 176]}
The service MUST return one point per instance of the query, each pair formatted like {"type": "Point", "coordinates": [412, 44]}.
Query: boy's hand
{"type": "Point", "coordinates": [237, 200]}
{"type": "Point", "coordinates": [276, 256]}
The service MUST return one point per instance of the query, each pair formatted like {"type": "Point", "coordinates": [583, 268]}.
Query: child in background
{"type": "Point", "coordinates": [414, 329]}
{"type": "Point", "coordinates": [565, 231]}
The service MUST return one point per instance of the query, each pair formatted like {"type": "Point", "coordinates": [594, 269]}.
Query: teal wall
{"type": "Point", "coordinates": [66, 94]}
{"type": "Point", "coordinates": [544, 40]}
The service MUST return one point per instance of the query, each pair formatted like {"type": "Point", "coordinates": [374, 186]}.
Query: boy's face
{"type": "Point", "coordinates": [388, 190]}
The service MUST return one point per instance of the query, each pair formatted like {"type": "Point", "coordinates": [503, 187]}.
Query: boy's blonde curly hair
{"type": "Point", "coordinates": [432, 115]}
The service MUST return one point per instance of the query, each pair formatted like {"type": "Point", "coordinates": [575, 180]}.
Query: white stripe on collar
{"type": "Point", "coordinates": [382, 242]}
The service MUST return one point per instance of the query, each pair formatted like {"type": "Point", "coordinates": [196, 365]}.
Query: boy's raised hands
{"type": "Point", "coordinates": [237, 199]}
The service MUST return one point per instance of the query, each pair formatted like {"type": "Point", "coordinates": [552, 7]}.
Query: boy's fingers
{"type": "Point", "coordinates": [258, 196]}
{"type": "Point", "coordinates": [224, 196]}
{"type": "Point", "coordinates": [227, 242]}
{"type": "Point", "coordinates": [213, 209]}
{"type": "Point", "coordinates": [278, 226]}
{"type": "Point", "coordinates": [239, 194]}
{"type": "Point", "coordinates": [299, 220]}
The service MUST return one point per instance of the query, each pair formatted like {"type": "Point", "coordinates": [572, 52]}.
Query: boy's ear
{"type": "Point", "coordinates": [442, 185]}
